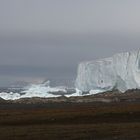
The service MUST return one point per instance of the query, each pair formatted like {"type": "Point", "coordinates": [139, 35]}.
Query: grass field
{"type": "Point", "coordinates": [61, 121]}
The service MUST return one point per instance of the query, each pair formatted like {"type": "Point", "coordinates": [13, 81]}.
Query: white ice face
{"type": "Point", "coordinates": [122, 72]}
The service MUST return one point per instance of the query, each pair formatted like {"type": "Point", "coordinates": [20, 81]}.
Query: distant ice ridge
{"type": "Point", "coordinates": [42, 91]}
{"type": "Point", "coordinates": [39, 90]}
{"type": "Point", "coordinates": [9, 96]}
{"type": "Point", "coordinates": [122, 72]}
{"type": "Point", "coordinates": [35, 90]}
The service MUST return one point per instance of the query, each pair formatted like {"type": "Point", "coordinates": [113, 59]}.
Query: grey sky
{"type": "Point", "coordinates": [48, 38]}
{"type": "Point", "coordinates": [69, 15]}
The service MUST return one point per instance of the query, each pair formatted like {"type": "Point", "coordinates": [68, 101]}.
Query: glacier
{"type": "Point", "coordinates": [121, 72]}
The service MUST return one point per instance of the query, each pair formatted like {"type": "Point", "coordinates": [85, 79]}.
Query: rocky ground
{"type": "Point", "coordinates": [105, 116]}
{"type": "Point", "coordinates": [106, 97]}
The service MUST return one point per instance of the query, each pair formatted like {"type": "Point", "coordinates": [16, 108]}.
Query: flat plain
{"type": "Point", "coordinates": [70, 121]}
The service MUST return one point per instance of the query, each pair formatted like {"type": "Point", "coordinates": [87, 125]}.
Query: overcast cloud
{"type": "Point", "coordinates": [42, 39]}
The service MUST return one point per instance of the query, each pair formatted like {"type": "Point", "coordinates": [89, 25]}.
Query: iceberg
{"type": "Point", "coordinates": [121, 72]}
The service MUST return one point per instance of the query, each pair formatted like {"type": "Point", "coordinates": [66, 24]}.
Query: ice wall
{"type": "Point", "coordinates": [121, 71]}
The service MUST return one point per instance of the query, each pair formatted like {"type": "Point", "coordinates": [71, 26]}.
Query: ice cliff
{"type": "Point", "coordinates": [121, 71]}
